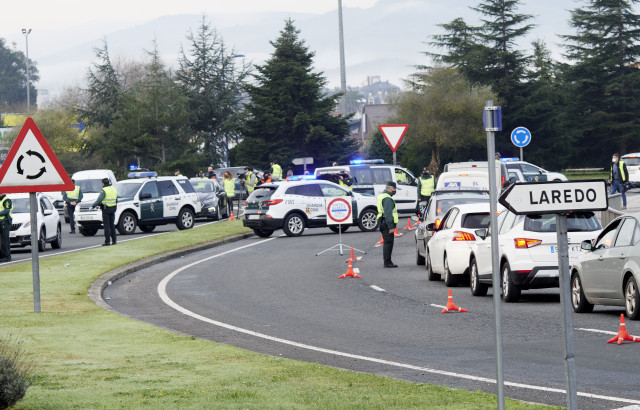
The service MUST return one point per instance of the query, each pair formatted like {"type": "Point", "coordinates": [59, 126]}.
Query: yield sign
{"type": "Point", "coordinates": [31, 165]}
{"type": "Point", "coordinates": [393, 134]}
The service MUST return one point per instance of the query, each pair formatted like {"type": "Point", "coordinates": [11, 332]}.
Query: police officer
{"type": "Point", "coordinates": [388, 216]}
{"type": "Point", "coordinates": [251, 180]}
{"type": "Point", "coordinates": [229, 184]}
{"type": "Point", "coordinates": [210, 173]}
{"type": "Point", "coordinates": [108, 201]}
{"type": "Point", "coordinates": [71, 199]}
{"type": "Point", "coordinates": [177, 173]}
{"type": "Point", "coordinates": [426, 185]}
{"type": "Point", "coordinates": [276, 171]}
{"type": "Point", "coordinates": [266, 178]}
{"type": "Point", "coordinates": [618, 177]}
{"type": "Point", "coordinates": [6, 206]}
{"type": "Point", "coordinates": [345, 180]}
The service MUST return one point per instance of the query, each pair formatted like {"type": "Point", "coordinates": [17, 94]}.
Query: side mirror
{"type": "Point", "coordinates": [48, 212]}
{"type": "Point", "coordinates": [586, 245]}
{"type": "Point", "coordinates": [431, 227]}
{"type": "Point", "coordinates": [146, 195]}
{"type": "Point", "coordinates": [482, 233]}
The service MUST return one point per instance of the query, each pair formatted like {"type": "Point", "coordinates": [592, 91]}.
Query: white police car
{"type": "Point", "coordinates": [295, 205]}
{"type": "Point", "coordinates": [145, 201]}
{"type": "Point", "coordinates": [532, 173]}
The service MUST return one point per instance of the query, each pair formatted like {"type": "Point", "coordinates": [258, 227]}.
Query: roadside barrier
{"type": "Point", "coordinates": [622, 334]}
{"type": "Point", "coordinates": [353, 258]}
{"type": "Point", "coordinates": [350, 272]}
{"type": "Point", "coordinates": [451, 307]}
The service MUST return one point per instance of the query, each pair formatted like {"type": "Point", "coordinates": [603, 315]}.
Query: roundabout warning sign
{"type": "Point", "coordinates": [338, 211]}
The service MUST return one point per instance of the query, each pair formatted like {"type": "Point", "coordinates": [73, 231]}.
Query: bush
{"type": "Point", "coordinates": [14, 372]}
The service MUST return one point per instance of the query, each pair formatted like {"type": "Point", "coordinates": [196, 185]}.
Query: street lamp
{"type": "Point", "coordinates": [226, 138]}
{"type": "Point", "coordinates": [26, 37]}
{"type": "Point", "coordinates": [343, 77]}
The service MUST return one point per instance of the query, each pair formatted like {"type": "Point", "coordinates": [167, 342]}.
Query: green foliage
{"type": "Point", "coordinates": [13, 74]}
{"type": "Point", "coordinates": [15, 370]}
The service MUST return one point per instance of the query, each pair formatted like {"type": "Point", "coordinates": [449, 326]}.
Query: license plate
{"type": "Point", "coordinates": [253, 216]}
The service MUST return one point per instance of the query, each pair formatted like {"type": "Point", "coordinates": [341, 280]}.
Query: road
{"type": "Point", "coordinates": [275, 296]}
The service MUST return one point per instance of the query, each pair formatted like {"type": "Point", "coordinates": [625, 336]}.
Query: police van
{"type": "Point", "coordinates": [370, 178]}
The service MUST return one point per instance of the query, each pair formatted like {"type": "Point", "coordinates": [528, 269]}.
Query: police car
{"type": "Point", "coordinates": [295, 205]}
{"type": "Point", "coordinates": [145, 201]}
{"type": "Point", "coordinates": [532, 173]}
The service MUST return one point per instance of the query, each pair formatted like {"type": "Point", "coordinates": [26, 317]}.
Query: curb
{"type": "Point", "coordinates": [96, 288]}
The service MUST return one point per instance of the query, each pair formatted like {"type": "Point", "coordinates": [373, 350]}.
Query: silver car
{"type": "Point", "coordinates": [609, 272]}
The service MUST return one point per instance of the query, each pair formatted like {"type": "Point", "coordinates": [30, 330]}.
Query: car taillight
{"type": "Point", "coordinates": [272, 202]}
{"type": "Point", "coordinates": [463, 236]}
{"type": "Point", "coordinates": [246, 204]}
{"type": "Point", "coordinates": [522, 243]}
{"type": "Point", "coordinates": [502, 180]}
{"type": "Point", "coordinates": [437, 223]}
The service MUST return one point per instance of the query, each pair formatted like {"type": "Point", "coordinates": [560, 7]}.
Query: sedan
{"type": "Point", "coordinates": [212, 198]}
{"type": "Point", "coordinates": [609, 272]}
{"type": "Point", "coordinates": [49, 227]}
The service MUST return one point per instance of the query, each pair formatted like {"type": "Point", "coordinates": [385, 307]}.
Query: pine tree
{"type": "Point", "coordinates": [104, 91]}
{"type": "Point", "coordinates": [288, 116]}
{"type": "Point", "coordinates": [13, 90]}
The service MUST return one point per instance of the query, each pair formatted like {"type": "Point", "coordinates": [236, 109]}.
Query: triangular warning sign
{"type": "Point", "coordinates": [31, 165]}
{"type": "Point", "coordinates": [393, 134]}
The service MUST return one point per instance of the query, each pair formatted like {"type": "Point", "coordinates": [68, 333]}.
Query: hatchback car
{"type": "Point", "coordinates": [49, 225]}
{"type": "Point", "coordinates": [295, 205]}
{"type": "Point", "coordinates": [609, 272]}
{"type": "Point", "coordinates": [449, 248]}
{"type": "Point", "coordinates": [212, 197]}
{"type": "Point", "coordinates": [528, 251]}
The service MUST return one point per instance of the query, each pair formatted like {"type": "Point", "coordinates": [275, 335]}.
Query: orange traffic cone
{"type": "Point", "coordinates": [353, 258]}
{"type": "Point", "coordinates": [408, 227]}
{"type": "Point", "coordinates": [451, 307]}
{"type": "Point", "coordinates": [349, 273]}
{"type": "Point", "coordinates": [232, 218]}
{"type": "Point", "coordinates": [380, 242]}
{"type": "Point", "coordinates": [622, 334]}
{"type": "Point", "coordinates": [397, 234]}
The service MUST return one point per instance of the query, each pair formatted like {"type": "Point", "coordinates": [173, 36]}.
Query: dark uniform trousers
{"type": "Point", "coordinates": [388, 239]}
{"type": "Point", "coordinates": [109, 222]}
{"type": "Point", "coordinates": [5, 238]}
{"type": "Point", "coordinates": [71, 209]}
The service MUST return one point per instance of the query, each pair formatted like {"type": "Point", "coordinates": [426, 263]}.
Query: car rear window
{"type": "Point", "coordinates": [476, 221]}
{"type": "Point", "coordinates": [186, 186]}
{"type": "Point", "coordinates": [262, 193]}
{"type": "Point", "coordinates": [631, 161]}
{"type": "Point", "coordinates": [576, 222]}
{"type": "Point", "coordinates": [443, 205]}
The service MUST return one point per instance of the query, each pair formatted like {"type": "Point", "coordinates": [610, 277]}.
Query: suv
{"type": "Point", "coordinates": [370, 178]}
{"type": "Point", "coordinates": [295, 205]}
{"type": "Point", "coordinates": [633, 167]}
{"type": "Point", "coordinates": [145, 201]}
{"type": "Point", "coordinates": [532, 173]}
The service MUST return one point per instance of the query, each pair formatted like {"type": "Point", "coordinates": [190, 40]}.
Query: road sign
{"type": "Point", "coordinates": [521, 137]}
{"type": "Point", "coordinates": [31, 165]}
{"type": "Point", "coordinates": [555, 197]}
{"type": "Point", "coordinates": [302, 161]}
{"type": "Point", "coordinates": [338, 211]}
{"type": "Point", "coordinates": [393, 134]}
{"type": "Point", "coordinates": [496, 118]}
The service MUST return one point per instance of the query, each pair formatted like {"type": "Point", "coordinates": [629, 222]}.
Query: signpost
{"type": "Point", "coordinates": [31, 166]}
{"type": "Point", "coordinates": [394, 135]}
{"type": "Point", "coordinates": [560, 198]}
{"type": "Point", "coordinates": [302, 161]}
{"type": "Point", "coordinates": [521, 137]}
{"type": "Point", "coordinates": [339, 211]}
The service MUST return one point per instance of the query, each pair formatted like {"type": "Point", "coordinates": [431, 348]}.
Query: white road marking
{"type": "Point", "coordinates": [162, 292]}
{"type": "Point", "coordinates": [438, 306]}
{"type": "Point", "coordinates": [374, 287]}
{"type": "Point", "coordinates": [606, 332]}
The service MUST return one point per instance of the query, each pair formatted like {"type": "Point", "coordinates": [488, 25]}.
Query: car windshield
{"type": "Point", "coordinates": [20, 205]}
{"type": "Point", "coordinates": [127, 190]}
{"type": "Point", "coordinates": [576, 222]}
{"type": "Point", "coordinates": [203, 185]}
{"type": "Point", "coordinates": [443, 205]}
{"type": "Point", "coordinates": [89, 186]}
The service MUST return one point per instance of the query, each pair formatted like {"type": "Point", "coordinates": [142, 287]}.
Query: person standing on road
{"type": "Point", "coordinates": [71, 199]}
{"type": "Point", "coordinates": [229, 184]}
{"type": "Point", "coordinates": [345, 180]}
{"type": "Point", "coordinates": [177, 173]}
{"type": "Point", "coordinates": [618, 177]}
{"type": "Point", "coordinates": [210, 173]}
{"type": "Point", "coordinates": [276, 171]}
{"type": "Point", "coordinates": [266, 178]}
{"type": "Point", "coordinates": [6, 206]}
{"type": "Point", "coordinates": [108, 201]}
{"type": "Point", "coordinates": [251, 180]}
{"type": "Point", "coordinates": [426, 185]}
{"type": "Point", "coordinates": [388, 218]}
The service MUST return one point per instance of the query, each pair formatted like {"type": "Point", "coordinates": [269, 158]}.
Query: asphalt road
{"type": "Point", "coordinates": [277, 297]}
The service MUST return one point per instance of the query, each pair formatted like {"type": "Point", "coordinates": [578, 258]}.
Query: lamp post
{"type": "Point", "coordinates": [226, 137]}
{"type": "Point", "coordinates": [343, 77]}
{"type": "Point", "coordinates": [26, 37]}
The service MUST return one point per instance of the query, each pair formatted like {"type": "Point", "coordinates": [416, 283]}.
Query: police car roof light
{"type": "Point", "coordinates": [511, 159]}
{"type": "Point", "coordinates": [148, 174]}
{"type": "Point", "coordinates": [366, 161]}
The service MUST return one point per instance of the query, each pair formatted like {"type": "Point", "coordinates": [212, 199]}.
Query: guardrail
{"type": "Point", "coordinates": [615, 203]}
{"type": "Point", "coordinates": [569, 170]}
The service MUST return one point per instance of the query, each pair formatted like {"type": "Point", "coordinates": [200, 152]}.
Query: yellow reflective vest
{"type": "Point", "coordinates": [276, 175]}
{"type": "Point", "coordinates": [75, 194]}
{"type": "Point", "coordinates": [230, 187]}
{"type": "Point", "coordinates": [3, 207]}
{"type": "Point", "coordinates": [110, 196]}
{"type": "Point", "coordinates": [427, 185]}
{"type": "Point", "coordinates": [381, 197]}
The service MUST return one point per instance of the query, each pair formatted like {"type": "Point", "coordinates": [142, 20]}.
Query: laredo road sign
{"type": "Point", "coordinates": [393, 134]}
{"type": "Point", "coordinates": [31, 165]}
{"type": "Point", "coordinates": [555, 197]}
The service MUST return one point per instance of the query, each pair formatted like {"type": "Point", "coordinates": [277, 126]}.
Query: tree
{"type": "Point", "coordinates": [287, 114]}
{"type": "Point", "coordinates": [104, 90]}
{"type": "Point", "coordinates": [13, 79]}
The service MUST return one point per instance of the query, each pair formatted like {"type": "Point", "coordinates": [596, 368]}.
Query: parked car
{"type": "Point", "coordinates": [49, 226]}
{"type": "Point", "coordinates": [449, 248]}
{"type": "Point", "coordinates": [633, 167]}
{"type": "Point", "coordinates": [213, 199]}
{"type": "Point", "coordinates": [474, 167]}
{"type": "Point", "coordinates": [532, 173]}
{"type": "Point", "coordinates": [609, 272]}
{"type": "Point", "coordinates": [527, 251]}
{"type": "Point", "coordinates": [90, 183]}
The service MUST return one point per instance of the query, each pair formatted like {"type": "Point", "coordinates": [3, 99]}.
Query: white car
{"type": "Point", "coordinates": [145, 201]}
{"type": "Point", "coordinates": [295, 205]}
{"type": "Point", "coordinates": [49, 225]}
{"type": "Point", "coordinates": [449, 248]}
{"type": "Point", "coordinates": [528, 251]}
{"type": "Point", "coordinates": [532, 173]}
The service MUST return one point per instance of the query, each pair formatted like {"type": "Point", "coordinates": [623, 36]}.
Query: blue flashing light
{"type": "Point", "coordinates": [511, 159]}
{"type": "Point", "coordinates": [355, 162]}
{"type": "Point", "coordinates": [366, 161]}
{"type": "Point", "coordinates": [147, 174]}
{"type": "Point", "coordinates": [132, 167]}
{"type": "Point", "coordinates": [309, 176]}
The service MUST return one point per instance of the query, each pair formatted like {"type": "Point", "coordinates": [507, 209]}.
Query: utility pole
{"type": "Point", "coordinates": [343, 77]}
{"type": "Point", "coordinates": [26, 37]}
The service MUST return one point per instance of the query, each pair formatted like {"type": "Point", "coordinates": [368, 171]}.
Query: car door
{"type": "Point", "coordinates": [615, 260]}
{"type": "Point", "coordinates": [533, 173]}
{"type": "Point", "coordinates": [170, 198]}
{"type": "Point", "coordinates": [483, 247]}
{"type": "Point", "coordinates": [151, 205]}
{"type": "Point", "coordinates": [594, 267]}
{"type": "Point", "coordinates": [50, 220]}
{"type": "Point", "coordinates": [406, 191]}
{"type": "Point", "coordinates": [311, 202]}
{"type": "Point", "coordinates": [439, 240]}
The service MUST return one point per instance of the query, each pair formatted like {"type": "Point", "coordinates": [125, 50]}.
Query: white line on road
{"type": "Point", "coordinates": [379, 289]}
{"type": "Point", "coordinates": [162, 292]}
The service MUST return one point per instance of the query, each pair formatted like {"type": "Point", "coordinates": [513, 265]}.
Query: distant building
{"type": "Point", "coordinates": [378, 92]}
{"type": "Point", "coordinates": [372, 116]}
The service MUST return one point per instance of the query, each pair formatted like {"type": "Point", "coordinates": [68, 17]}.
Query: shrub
{"type": "Point", "coordinates": [14, 372]}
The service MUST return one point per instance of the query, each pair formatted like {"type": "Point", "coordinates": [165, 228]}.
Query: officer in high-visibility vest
{"type": "Point", "coordinates": [618, 177]}
{"type": "Point", "coordinates": [426, 185]}
{"type": "Point", "coordinates": [108, 201]}
{"type": "Point", "coordinates": [251, 180]}
{"type": "Point", "coordinates": [388, 218]}
{"type": "Point", "coordinates": [276, 171]}
{"type": "Point", "coordinates": [71, 199]}
{"type": "Point", "coordinates": [6, 206]}
{"type": "Point", "coordinates": [345, 180]}
{"type": "Point", "coordinates": [229, 184]}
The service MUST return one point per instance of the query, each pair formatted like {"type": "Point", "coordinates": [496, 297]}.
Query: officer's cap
{"type": "Point", "coordinates": [391, 184]}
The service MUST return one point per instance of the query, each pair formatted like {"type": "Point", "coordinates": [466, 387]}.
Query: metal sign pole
{"type": "Point", "coordinates": [35, 261]}
{"type": "Point", "coordinates": [394, 157]}
{"type": "Point", "coordinates": [565, 298]}
{"type": "Point", "coordinates": [493, 207]}
{"type": "Point", "coordinates": [521, 156]}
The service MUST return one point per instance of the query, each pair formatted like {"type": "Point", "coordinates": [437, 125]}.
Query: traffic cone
{"type": "Point", "coordinates": [380, 242]}
{"type": "Point", "coordinates": [353, 258]}
{"type": "Point", "coordinates": [397, 234]}
{"type": "Point", "coordinates": [622, 334]}
{"type": "Point", "coordinates": [349, 273]}
{"type": "Point", "coordinates": [451, 307]}
{"type": "Point", "coordinates": [408, 227]}
{"type": "Point", "coordinates": [232, 218]}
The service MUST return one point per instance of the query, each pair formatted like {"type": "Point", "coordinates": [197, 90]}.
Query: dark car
{"type": "Point", "coordinates": [212, 198]}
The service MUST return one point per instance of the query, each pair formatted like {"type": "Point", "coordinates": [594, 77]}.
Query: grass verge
{"type": "Point", "coordinates": [86, 357]}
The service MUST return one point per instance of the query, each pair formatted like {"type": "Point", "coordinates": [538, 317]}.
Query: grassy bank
{"type": "Point", "coordinates": [85, 357]}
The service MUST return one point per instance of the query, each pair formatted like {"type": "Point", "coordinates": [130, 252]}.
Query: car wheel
{"type": "Point", "coordinates": [147, 228]}
{"type": "Point", "coordinates": [293, 225]}
{"type": "Point", "coordinates": [430, 275]}
{"type": "Point", "coordinates": [87, 231]}
{"type": "Point", "coordinates": [342, 228]}
{"type": "Point", "coordinates": [185, 219]}
{"type": "Point", "coordinates": [419, 258]}
{"type": "Point", "coordinates": [218, 216]}
{"type": "Point", "coordinates": [127, 223]}
{"type": "Point", "coordinates": [632, 299]}
{"type": "Point", "coordinates": [263, 233]}
{"type": "Point", "coordinates": [368, 221]}
{"type": "Point", "coordinates": [42, 240]}
{"type": "Point", "coordinates": [510, 292]}
{"type": "Point", "coordinates": [477, 288]}
{"type": "Point", "coordinates": [449, 278]}
{"type": "Point", "coordinates": [578, 300]}
{"type": "Point", "coordinates": [57, 243]}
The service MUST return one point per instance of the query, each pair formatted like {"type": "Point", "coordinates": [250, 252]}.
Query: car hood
{"type": "Point", "coordinates": [22, 217]}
